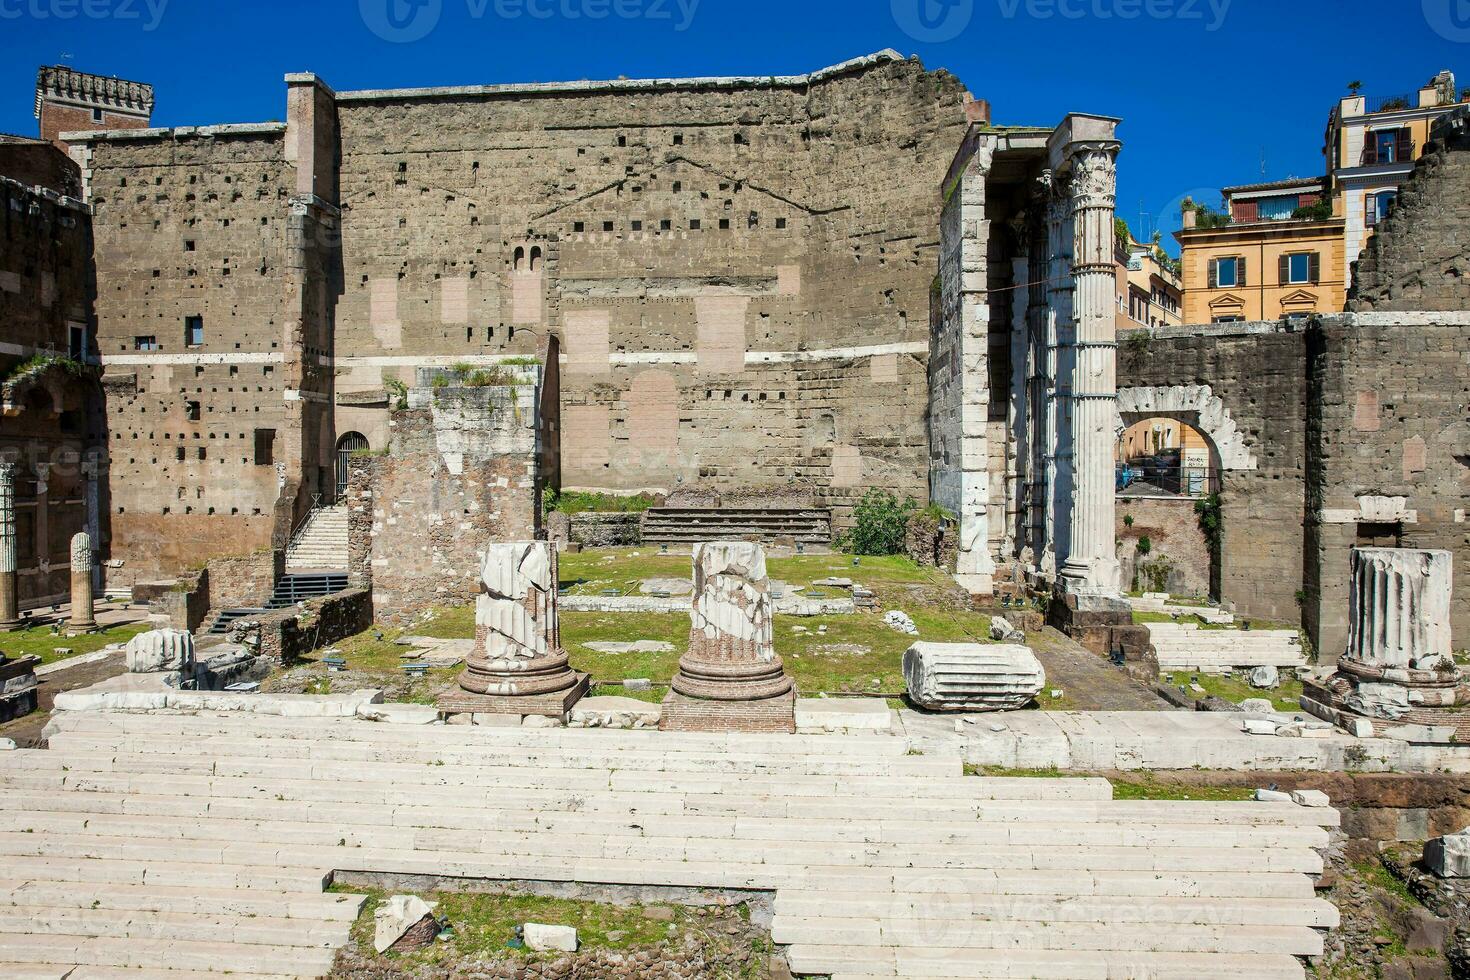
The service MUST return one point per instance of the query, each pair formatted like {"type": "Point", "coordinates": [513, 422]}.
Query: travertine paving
{"type": "Point", "coordinates": [175, 846]}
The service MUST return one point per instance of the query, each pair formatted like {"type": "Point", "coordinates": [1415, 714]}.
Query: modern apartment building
{"type": "Point", "coordinates": [1371, 145]}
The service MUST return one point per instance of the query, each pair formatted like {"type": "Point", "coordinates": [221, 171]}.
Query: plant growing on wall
{"type": "Point", "coordinates": [879, 522]}
{"type": "Point", "coordinates": [1145, 545]}
{"type": "Point", "coordinates": [1211, 523]}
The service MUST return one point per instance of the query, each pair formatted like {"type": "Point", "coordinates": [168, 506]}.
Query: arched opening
{"type": "Point", "coordinates": [351, 442]}
{"type": "Point", "coordinates": [519, 260]}
{"type": "Point", "coordinates": [1167, 457]}
{"type": "Point", "coordinates": [536, 258]}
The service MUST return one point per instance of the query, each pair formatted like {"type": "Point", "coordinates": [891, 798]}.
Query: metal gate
{"type": "Point", "coordinates": [352, 442]}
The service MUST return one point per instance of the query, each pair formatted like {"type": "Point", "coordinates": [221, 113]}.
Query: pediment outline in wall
{"type": "Point", "coordinates": [1301, 298]}
{"type": "Point", "coordinates": [1196, 406]}
{"type": "Point", "coordinates": [1229, 302]}
{"type": "Point", "coordinates": [698, 179]}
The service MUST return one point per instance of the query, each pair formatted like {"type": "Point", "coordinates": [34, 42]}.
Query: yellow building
{"type": "Point", "coordinates": [1371, 146]}
{"type": "Point", "coordinates": [1287, 249]}
{"type": "Point", "coordinates": [1275, 252]}
{"type": "Point", "coordinates": [1148, 291]}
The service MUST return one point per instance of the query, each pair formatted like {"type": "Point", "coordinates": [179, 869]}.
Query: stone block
{"type": "Point", "coordinates": [161, 651]}
{"type": "Point", "coordinates": [399, 714]}
{"type": "Point", "coordinates": [550, 939]}
{"type": "Point", "coordinates": [972, 676]}
{"type": "Point", "coordinates": [843, 714]}
{"type": "Point", "coordinates": [1449, 856]}
{"type": "Point", "coordinates": [1310, 797]}
{"type": "Point", "coordinates": [395, 918]}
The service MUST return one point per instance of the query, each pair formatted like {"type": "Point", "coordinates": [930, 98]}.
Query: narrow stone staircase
{"type": "Point", "coordinates": [321, 544]}
{"type": "Point", "coordinates": [1185, 646]}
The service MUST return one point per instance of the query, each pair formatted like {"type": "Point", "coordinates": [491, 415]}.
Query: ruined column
{"type": "Point", "coordinates": [9, 560]}
{"type": "Point", "coordinates": [1058, 308]}
{"type": "Point", "coordinates": [83, 612]}
{"type": "Point", "coordinates": [518, 663]}
{"type": "Point", "coordinates": [1091, 564]}
{"type": "Point", "coordinates": [1399, 654]}
{"type": "Point", "coordinates": [731, 677]}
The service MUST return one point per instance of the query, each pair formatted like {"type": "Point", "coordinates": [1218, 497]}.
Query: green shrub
{"type": "Point", "coordinates": [879, 523]}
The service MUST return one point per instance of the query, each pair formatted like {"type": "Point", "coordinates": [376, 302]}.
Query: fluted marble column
{"type": "Point", "coordinates": [1399, 609]}
{"type": "Point", "coordinates": [1091, 564]}
{"type": "Point", "coordinates": [9, 554]}
{"type": "Point", "coordinates": [518, 650]}
{"type": "Point", "coordinates": [732, 653]}
{"type": "Point", "coordinates": [1058, 311]}
{"type": "Point", "coordinates": [83, 609]}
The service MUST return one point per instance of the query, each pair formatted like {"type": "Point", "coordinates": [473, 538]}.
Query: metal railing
{"type": "Point", "coordinates": [1142, 477]}
{"type": "Point", "coordinates": [316, 501]}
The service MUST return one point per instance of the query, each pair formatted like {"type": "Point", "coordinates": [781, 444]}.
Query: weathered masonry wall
{"type": "Point", "coordinates": [738, 268]}
{"type": "Point", "coordinates": [1257, 372]}
{"type": "Point", "coordinates": [1419, 258]}
{"type": "Point", "coordinates": [460, 471]}
{"type": "Point", "coordinates": [50, 423]}
{"type": "Point", "coordinates": [217, 250]}
{"type": "Point", "coordinates": [1389, 459]}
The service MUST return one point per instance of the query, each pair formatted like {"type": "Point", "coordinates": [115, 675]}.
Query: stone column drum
{"type": "Point", "coordinates": [83, 611]}
{"type": "Point", "coordinates": [732, 656]}
{"type": "Point", "coordinates": [9, 604]}
{"type": "Point", "coordinates": [1399, 646]}
{"type": "Point", "coordinates": [518, 651]}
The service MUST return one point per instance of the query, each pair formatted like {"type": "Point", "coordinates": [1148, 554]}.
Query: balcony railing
{"type": "Point", "coordinates": [1391, 103]}
{"type": "Point", "coordinates": [1144, 478]}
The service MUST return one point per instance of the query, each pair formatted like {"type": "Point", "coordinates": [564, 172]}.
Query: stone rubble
{"type": "Point", "coordinates": [397, 916]}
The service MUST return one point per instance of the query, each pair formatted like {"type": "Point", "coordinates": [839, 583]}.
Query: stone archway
{"type": "Point", "coordinates": [1196, 406]}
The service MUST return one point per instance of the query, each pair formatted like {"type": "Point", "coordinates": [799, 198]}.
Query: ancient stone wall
{"type": "Point", "coordinates": [607, 530]}
{"type": "Point", "coordinates": [1258, 372]}
{"type": "Point", "coordinates": [1177, 550]}
{"type": "Point", "coordinates": [738, 270]}
{"type": "Point", "coordinates": [192, 224]}
{"type": "Point", "coordinates": [288, 635]}
{"type": "Point", "coordinates": [460, 471]}
{"type": "Point", "coordinates": [1389, 457]}
{"type": "Point", "coordinates": [1418, 258]}
{"type": "Point", "coordinates": [50, 422]}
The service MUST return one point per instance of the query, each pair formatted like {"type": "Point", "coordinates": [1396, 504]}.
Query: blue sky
{"type": "Point", "coordinates": [1209, 90]}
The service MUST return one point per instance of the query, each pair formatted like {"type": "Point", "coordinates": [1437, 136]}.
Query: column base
{"type": "Point", "coordinates": [685, 714]}
{"type": "Point", "coordinates": [1100, 621]}
{"type": "Point", "coordinates": [554, 705]}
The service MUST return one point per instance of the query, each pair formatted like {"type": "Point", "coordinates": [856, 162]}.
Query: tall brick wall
{"type": "Point", "coordinates": [190, 224]}
{"type": "Point", "coordinates": [695, 354]}
{"type": "Point", "coordinates": [50, 420]}
{"type": "Point", "coordinates": [1259, 372]}
{"type": "Point", "coordinates": [1387, 418]}
{"type": "Point", "coordinates": [459, 472]}
{"type": "Point", "coordinates": [1419, 258]}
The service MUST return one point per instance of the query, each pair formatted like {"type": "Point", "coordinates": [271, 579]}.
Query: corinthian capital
{"type": "Point", "coordinates": [1094, 167]}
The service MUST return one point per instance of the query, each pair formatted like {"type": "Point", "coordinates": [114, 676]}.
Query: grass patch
{"type": "Point", "coordinates": [1148, 789]}
{"type": "Point", "coordinates": [1001, 772]}
{"type": "Point", "coordinates": [484, 924]}
{"type": "Point", "coordinates": [583, 502]}
{"type": "Point", "coordinates": [1236, 689]}
{"type": "Point", "coordinates": [589, 572]}
{"type": "Point", "coordinates": [40, 642]}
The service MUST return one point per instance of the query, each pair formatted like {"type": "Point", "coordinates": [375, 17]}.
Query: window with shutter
{"type": "Point", "coordinates": [1283, 270]}
{"type": "Point", "coordinates": [1240, 279]}
{"type": "Point", "coordinates": [1370, 210]}
{"type": "Point", "coordinates": [1314, 267]}
{"type": "Point", "coordinates": [1404, 150]}
{"type": "Point", "coordinates": [1214, 273]}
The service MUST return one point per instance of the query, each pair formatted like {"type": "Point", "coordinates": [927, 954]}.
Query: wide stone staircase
{"type": "Point", "coordinates": [173, 847]}
{"type": "Point", "coordinates": [1186, 646]}
{"type": "Point", "coordinates": [690, 525]}
{"type": "Point", "coordinates": [321, 544]}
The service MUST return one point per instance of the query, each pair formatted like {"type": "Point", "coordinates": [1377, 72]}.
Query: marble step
{"type": "Point", "coordinates": [970, 934]}
{"type": "Point", "coordinates": [169, 954]}
{"type": "Point", "coordinates": [326, 907]}
{"type": "Point", "coordinates": [1245, 910]}
{"type": "Point", "coordinates": [164, 872]}
{"type": "Point", "coordinates": [755, 859]}
{"type": "Point", "coordinates": [370, 826]}
{"type": "Point", "coordinates": [134, 924]}
{"type": "Point", "coordinates": [921, 963]}
{"type": "Point", "coordinates": [71, 971]}
{"type": "Point", "coordinates": [205, 753]}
